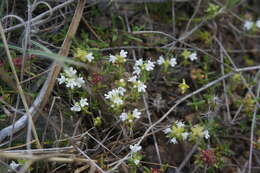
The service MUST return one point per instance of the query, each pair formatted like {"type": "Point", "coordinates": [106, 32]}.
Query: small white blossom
{"type": "Point", "coordinates": [136, 161]}
{"type": "Point", "coordinates": [14, 165]}
{"type": "Point", "coordinates": [62, 79]}
{"type": "Point", "coordinates": [114, 95]}
{"type": "Point", "coordinates": [161, 60]}
{"type": "Point", "coordinates": [89, 57]}
{"type": "Point", "coordinates": [257, 23]}
{"type": "Point", "coordinates": [173, 141]}
{"type": "Point", "coordinates": [135, 148]}
{"type": "Point", "coordinates": [79, 81]}
{"type": "Point", "coordinates": [121, 91]}
{"type": "Point", "coordinates": [167, 130]}
{"type": "Point", "coordinates": [193, 56]}
{"type": "Point", "coordinates": [149, 66]}
{"type": "Point", "coordinates": [136, 113]}
{"type": "Point", "coordinates": [206, 134]}
{"type": "Point", "coordinates": [137, 70]}
{"type": "Point", "coordinates": [123, 116]}
{"type": "Point", "coordinates": [139, 62]}
{"type": "Point", "coordinates": [248, 25]}
{"type": "Point", "coordinates": [117, 101]}
{"type": "Point", "coordinates": [140, 86]}
{"type": "Point", "coordinates": [123, 54]}
{"type": "Point", "coordinates": [71, 72]}
{"type": "Point", "coordinates": [71, 83]}
{"type": "Point", "coordinates": [180, 124]}
{"type": "Point", "coordinates": [122, 81]}
{"type": "Point", "coordinates": [112, 58]}
{"type": "Point", "coordinates": [185, 135]}
{"type": "Point", "coordinates": [132, 79]}
{"type": "Point", "coordinates": [173, 62]}
{"type": "Point", "coordinates": [83, 102]}
{"type": "Point", "coordinates": [76, 107]}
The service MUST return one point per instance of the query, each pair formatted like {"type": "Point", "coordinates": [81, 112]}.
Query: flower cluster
{"type": "Point", "coordinates": [135, 156]}
{"type": "Point", "coordinates": [78, 106]}
{"type": "Point", "coordinates": [166, 62]}
{"type": "Point", "coordinates": [71, 79]}
{"type": "Point", "coordinates": [139, 85]}
{"type": "Point", "coordinates": [84, 55]}
{"type": "Point", "coordinates": [176, 132]}
{"type": "Point", "coordinates": [208, 156]}
{"type": "Point", "coordinates": [121, 58]}
{"type": "Point", "coordinates": [129, 117]}
{"type": "Point", "coordinates": [189, 55]}
{"type": "Point", "coordinates": [115, 96]}
{"type": "Point", "coordinates": [199, 131]}
{"type": "Point", "coordinates": [141, 65]}
{"type": "Point", "coordinates": [179, 132]}
{"type": "Point", "coordinates": [248, 24]}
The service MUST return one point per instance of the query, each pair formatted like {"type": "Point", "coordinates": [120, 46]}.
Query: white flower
{"type": "Point", "coordinates": [71, 83]}
{"type": "Point", "coordinates": [108, 95]}
{"type": "Point", "coordinates": [149, 66]}
{"type": "Point", "coordinates": [123, 116]}
{"type": "Point", "coordinates": [136, 161]}
{"type": "Point", "coordinates": [62, 79]}
{"type": "Point", "coordinates": [121, 91]}
{"type": "Point", "coordinates": [180, 124]}
{"type": "Point", "coordinates": [71, 72]}
{"type": "Point", "coordinates": [140, 86]}
{"type": "Point", "coordinates": [161, 60]}
{"type": "Point", "coordinates": [117, 100]}
{"type": "Point", "coordinates": [14, 165]}
{"type": "Point", "coordinates": [173, 62]}
{"type": "Point", "coordinates": [139, 62]}
{"type": "Point", "coordinates": [83, 102]}
{"type": "Point", "coordinates": [132, 79]}
{"type": "Point", "coordinates": [112, 58]}
{"type": "Point", "coordinates": [206, 134]}
{"type": "Point", "coordinates": [193, 56]}
{"type": "Point", "coordinates": [137, 70]}
{"type": "Point", "coordinates": [257, 23]}
{"type": "Point", "coordinates": [167, 130]}
{"type": "Point", "coordinates": [185, 135]}
{"type": "Point", "coordinates": [123, 54]}
{"type": "Point", "coordinates": [173, 141]}
{"type": "Point", "coordinates": [135, 148]}
{"type": "Point", "coordinates": [121, 57]}
{"type": "Point", "coordinates": [114, 95]}
{"type": "Point", "coordinates": [71, 79]}
{"type": "Point", "coordinates": [89, 57]}
{"type": "Point", "coordinates": [136, 113]}
{"type": "Point", "coordinates": [76, 107]}
{"type": "Point", "coordinates": [248, 25]}
{"type": "Point", "coordinates": [79, 81]}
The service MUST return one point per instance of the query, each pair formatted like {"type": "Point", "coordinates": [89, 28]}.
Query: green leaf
{"type": "Point", "coordinates": [47, 54]}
